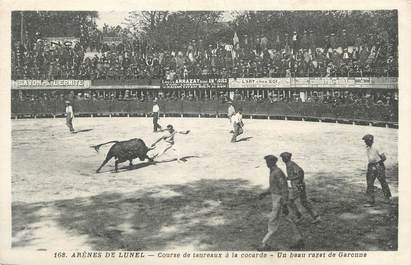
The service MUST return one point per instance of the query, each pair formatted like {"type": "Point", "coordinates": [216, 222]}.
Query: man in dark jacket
{"type": "Point", "coordinates": [297, 186]}
{"type": "Point", "coordinates": [279, 195]}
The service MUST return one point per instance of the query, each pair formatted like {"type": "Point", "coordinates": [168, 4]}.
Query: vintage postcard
{"type": "Point", "coordinates": [190, 132]}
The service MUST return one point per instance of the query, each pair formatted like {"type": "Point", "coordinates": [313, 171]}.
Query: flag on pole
{"type": "Point", "coordinates": [234, 49]}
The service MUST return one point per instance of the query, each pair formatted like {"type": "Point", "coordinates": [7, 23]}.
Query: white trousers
{"type": "Point", "coordinates": [167, 146]}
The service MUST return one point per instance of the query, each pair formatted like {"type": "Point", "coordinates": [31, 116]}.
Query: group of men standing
{"type": "Point", "coordinates": [285, 190]}
{"type": "Point", "coordinates": [69, 113]}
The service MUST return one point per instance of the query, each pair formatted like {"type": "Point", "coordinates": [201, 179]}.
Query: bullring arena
{"type": "Point", "coordinates": [311, 83]}
{"type": "Point", "coordinates": [209, 202]}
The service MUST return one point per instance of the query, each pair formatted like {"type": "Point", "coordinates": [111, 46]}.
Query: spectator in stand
{"type": "Point", "coordinates": [282, 56]}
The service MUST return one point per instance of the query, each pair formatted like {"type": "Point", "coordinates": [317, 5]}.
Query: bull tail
{"type": "Point", "coordinates": [97, 147]}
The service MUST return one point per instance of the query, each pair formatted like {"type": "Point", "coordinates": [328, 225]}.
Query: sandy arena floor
{"type": "Point", "coordinates": [206, 203]}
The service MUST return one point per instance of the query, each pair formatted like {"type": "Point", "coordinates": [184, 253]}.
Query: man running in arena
{"type": "Point", "coordinates": [156, 115]}
{"type": "Point", "coordinates": [375, 170]}
{"type": "Point", "coordinates": [237, 121]}
{"type": "Point", "coordinates": [279, 195]}
{"type": "Point", "coordinates": [169, 142]}
{"type": "Point", "coordinates": [297, 187]}
{"type": "Point", "coordinates": [69, 116]}
{"type": "Point", "coordinates": [230, 114]}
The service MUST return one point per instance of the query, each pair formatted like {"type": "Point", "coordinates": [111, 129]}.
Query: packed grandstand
{"type": "Point", "coordinates": [268, 57]}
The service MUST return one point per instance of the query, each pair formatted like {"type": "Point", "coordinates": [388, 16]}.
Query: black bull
{"type": "Point", "coordinates": [125, 150]}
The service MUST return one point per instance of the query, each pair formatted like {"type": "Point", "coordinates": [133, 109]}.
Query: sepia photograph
{"type": "Point", "coordinates": [166, 129]}
{"type": "Point", "coordinates": [169, 131]}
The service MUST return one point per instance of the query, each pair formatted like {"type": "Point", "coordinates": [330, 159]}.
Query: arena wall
{"type": "Point", "coordinates": [347, 113]}
{"type": "Point", "coordinates": [376, 114]}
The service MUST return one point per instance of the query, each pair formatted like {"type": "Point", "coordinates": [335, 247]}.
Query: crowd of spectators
{"type": "Point", "coordinates": [295, 54]}
{"type": "Point", "coordinates": [337, 98]}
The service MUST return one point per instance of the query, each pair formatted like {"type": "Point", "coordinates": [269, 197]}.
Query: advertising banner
{"type": "Point", "coordinates": [55, 84]}
{"type": "Point", "coordinates": [315, 82]}
{"type": "Point", "coordinates": [211, 83]}
{"type": "Point", "coordinates": [259, 82]}
{"type": "Point", "coordinates": [344, 82]}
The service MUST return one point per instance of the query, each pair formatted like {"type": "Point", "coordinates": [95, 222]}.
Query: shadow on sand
{"type": "Point", "coordinates": [244, 139]}
{"type": "Point", "coordinates": [213, 214]}
{"type": "Point", "coordinates": [146, 164]}
{"type": "Point", "coordinates": [184, 159]}
{"type": "Point", "coordinates": [84, 130]}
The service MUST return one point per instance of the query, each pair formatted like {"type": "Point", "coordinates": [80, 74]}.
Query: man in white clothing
{"type": "Point", "coordinates": [156, 116]}
{"type": "Point", "coordinates": [375, 170]}
{"type": "Point", "coordinates": [168, 142]}
{"type": "Point", "coordinates": [230, 114]}
{"type": "Point", "coordinates": [69, 116]}
{"type": "Point", "coordinates": [237, 121]}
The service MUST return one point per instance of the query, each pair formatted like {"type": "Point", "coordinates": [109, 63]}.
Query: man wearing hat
{"type": "Point", "coordinates": [279, 195]}
{"type": "Point", "coordinates": [297, 186]}
{"type": "Point", "coordinates": [375, 170]}
{"type": "Point", "coordinates": [69, 116]}
{"type": "Point", "coordinates": [156, 115]}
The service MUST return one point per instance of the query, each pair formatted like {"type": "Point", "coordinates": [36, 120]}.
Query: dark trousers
{"type": "Point", "coordinates": [69, 123]}
{"type": "Point", "coordinates": [237, 131]}
{"type": "Point", "coordinates": [156, 126]}
{"type": "Point", "coordinates": [376, 171]}
{"type": "Point", "coordinates": [300, 193]}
